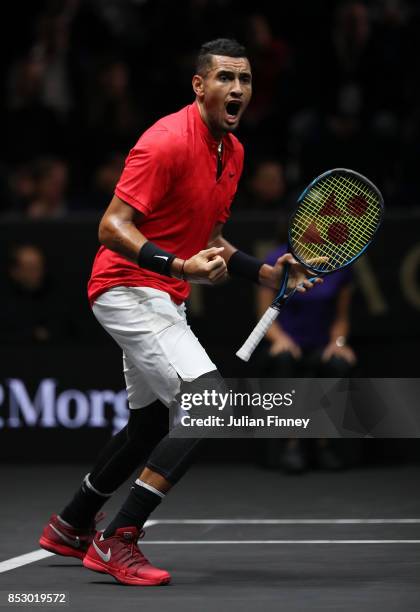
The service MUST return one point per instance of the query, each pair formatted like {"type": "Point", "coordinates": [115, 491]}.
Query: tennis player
{"type": "Point", "coordinates": [161, 232]}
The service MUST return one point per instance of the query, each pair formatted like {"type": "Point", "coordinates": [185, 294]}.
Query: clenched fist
{"type": "Point", "coordinates": [205, 268]}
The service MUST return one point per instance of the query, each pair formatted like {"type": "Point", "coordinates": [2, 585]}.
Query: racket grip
{"type": "Point", "coordinates": [257, 334]}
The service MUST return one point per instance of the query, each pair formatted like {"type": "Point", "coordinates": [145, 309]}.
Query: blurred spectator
{"type": "Point", "coordinates": [337, 141]}
{"type": "Point", "coordinates": [270, 56]}
{"type": "Point", "coordinates": [21, 190]}
{"type": "Point", "coordinates": [33, 309]}
{"type": "Point", "coordinates": [105, 179]}
{"type": "Point", "coordinates": [30, 128]}
{"type": "Point", "coordinates": [50, 178]}
{"type": "Point", "coordinates": [100, 191]}
{"type": "Point", "coordinates": [270, 59]}
{"type": "Point", "coordinates": [266, 188]}
{"type": "Point", "coordinates": [309, 339]}
{"type": "Point", "coordinates": [52, 47]}
{"type": "Point", "coordinates": [391, 48]}
{"type": "Point", "coordinates": [347, 60]}
{"type": "Point", "coordinates": [114, 119]}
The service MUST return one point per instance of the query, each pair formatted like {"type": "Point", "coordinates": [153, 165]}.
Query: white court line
{"type": "Point", "coordinates": [37, 555]}
{"type": "Point", "coordinates": [343, 521]}
{"type": "Point", "coordinates": [281, 542]}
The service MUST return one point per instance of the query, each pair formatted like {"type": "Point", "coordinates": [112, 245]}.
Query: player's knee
{"type": "Point", "coordinates": [151, 417]}
{"type": "Point", "coordinates": [203, 394]}
{"type": "Point", "coordinates": [145, 429]}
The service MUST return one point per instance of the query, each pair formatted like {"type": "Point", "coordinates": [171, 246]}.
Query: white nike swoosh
{"type": "Point", "coordinates": [104, 556]}
{"type": "Point", "coordinates": [161, 257]}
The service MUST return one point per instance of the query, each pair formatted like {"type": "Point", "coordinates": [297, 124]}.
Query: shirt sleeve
{"type": "Point", "coordinates": [149, 170]}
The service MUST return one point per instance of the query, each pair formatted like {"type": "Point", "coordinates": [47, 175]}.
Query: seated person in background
{"type": "Point", "coordinates": [266, 187]}
{"type": "Point", "coordinates": [34, 312]}
{"type": "Point", "coordinates": [49, 200]}
{"type": "Point", "coordinates": [308, 339]}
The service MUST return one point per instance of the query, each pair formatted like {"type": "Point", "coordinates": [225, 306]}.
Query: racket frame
{"type": "Point", "coordinates": [281, 298]}
{"type": "Point", "coordinates": [316, 180]}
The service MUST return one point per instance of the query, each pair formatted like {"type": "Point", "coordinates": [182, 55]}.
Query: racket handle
{"type": "Point", "coordinates": [257, 334]}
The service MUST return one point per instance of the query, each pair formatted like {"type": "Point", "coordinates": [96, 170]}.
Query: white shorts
{"type": "Point", "coordinates": [158, 345]}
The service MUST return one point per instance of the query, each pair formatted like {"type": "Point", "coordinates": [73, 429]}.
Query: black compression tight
{"type": "Point", "coordinates": [130, 447]}
{"type": "Point", "coordinates": [173, 455]}
{"type": "Point", "coordinates": [145, 439]}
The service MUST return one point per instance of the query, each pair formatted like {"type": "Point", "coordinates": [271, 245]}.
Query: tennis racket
{"type": "Point", "coordinates": [336, 219]}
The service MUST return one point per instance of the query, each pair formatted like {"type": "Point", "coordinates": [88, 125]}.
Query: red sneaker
{"type": "Point", "coordinates": [120, 557]}
{"type": "Point", "coordinates": [62, 539]}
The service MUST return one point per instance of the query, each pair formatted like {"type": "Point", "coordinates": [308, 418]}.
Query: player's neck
{"type": "Point", "coordinates": [217, 134]}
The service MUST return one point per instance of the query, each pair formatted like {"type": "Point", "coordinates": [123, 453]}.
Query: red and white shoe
{"type": "Point", "coordinates": [62, 539]}
{"type": "Point", "coordinates": [120, 557]}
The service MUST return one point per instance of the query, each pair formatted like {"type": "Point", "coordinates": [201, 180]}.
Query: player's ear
{"type": "Point", "coordinates": [198, 85]}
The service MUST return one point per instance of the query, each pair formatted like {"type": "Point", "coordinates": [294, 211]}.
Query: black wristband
{"type": "Point", "coordinates": [241, 264]}
{"type": "Point", "coordinates": [153, 258]}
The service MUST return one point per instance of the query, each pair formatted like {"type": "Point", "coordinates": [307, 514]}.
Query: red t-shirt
{"type": "Point", "coordinates": [170, 177]}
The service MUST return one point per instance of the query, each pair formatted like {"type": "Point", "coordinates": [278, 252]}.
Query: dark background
{"type": "Point", "coordinates": [335, 86]}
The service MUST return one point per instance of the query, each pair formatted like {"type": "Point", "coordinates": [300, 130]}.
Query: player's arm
{"type": "Point", "coordinates": [340, 329]}
{"type": "Point", "coordinates": [217, 240]}
{"type": "Point", "coordinates": [118, 231]}
{"type": "Point", "coordinates": [341, 325]}
{"type": "Point", "coordinates": [246, 266]}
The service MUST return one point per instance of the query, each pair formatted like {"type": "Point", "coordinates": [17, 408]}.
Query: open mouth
{"type": "Point", "coordinates": [232, 109]}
